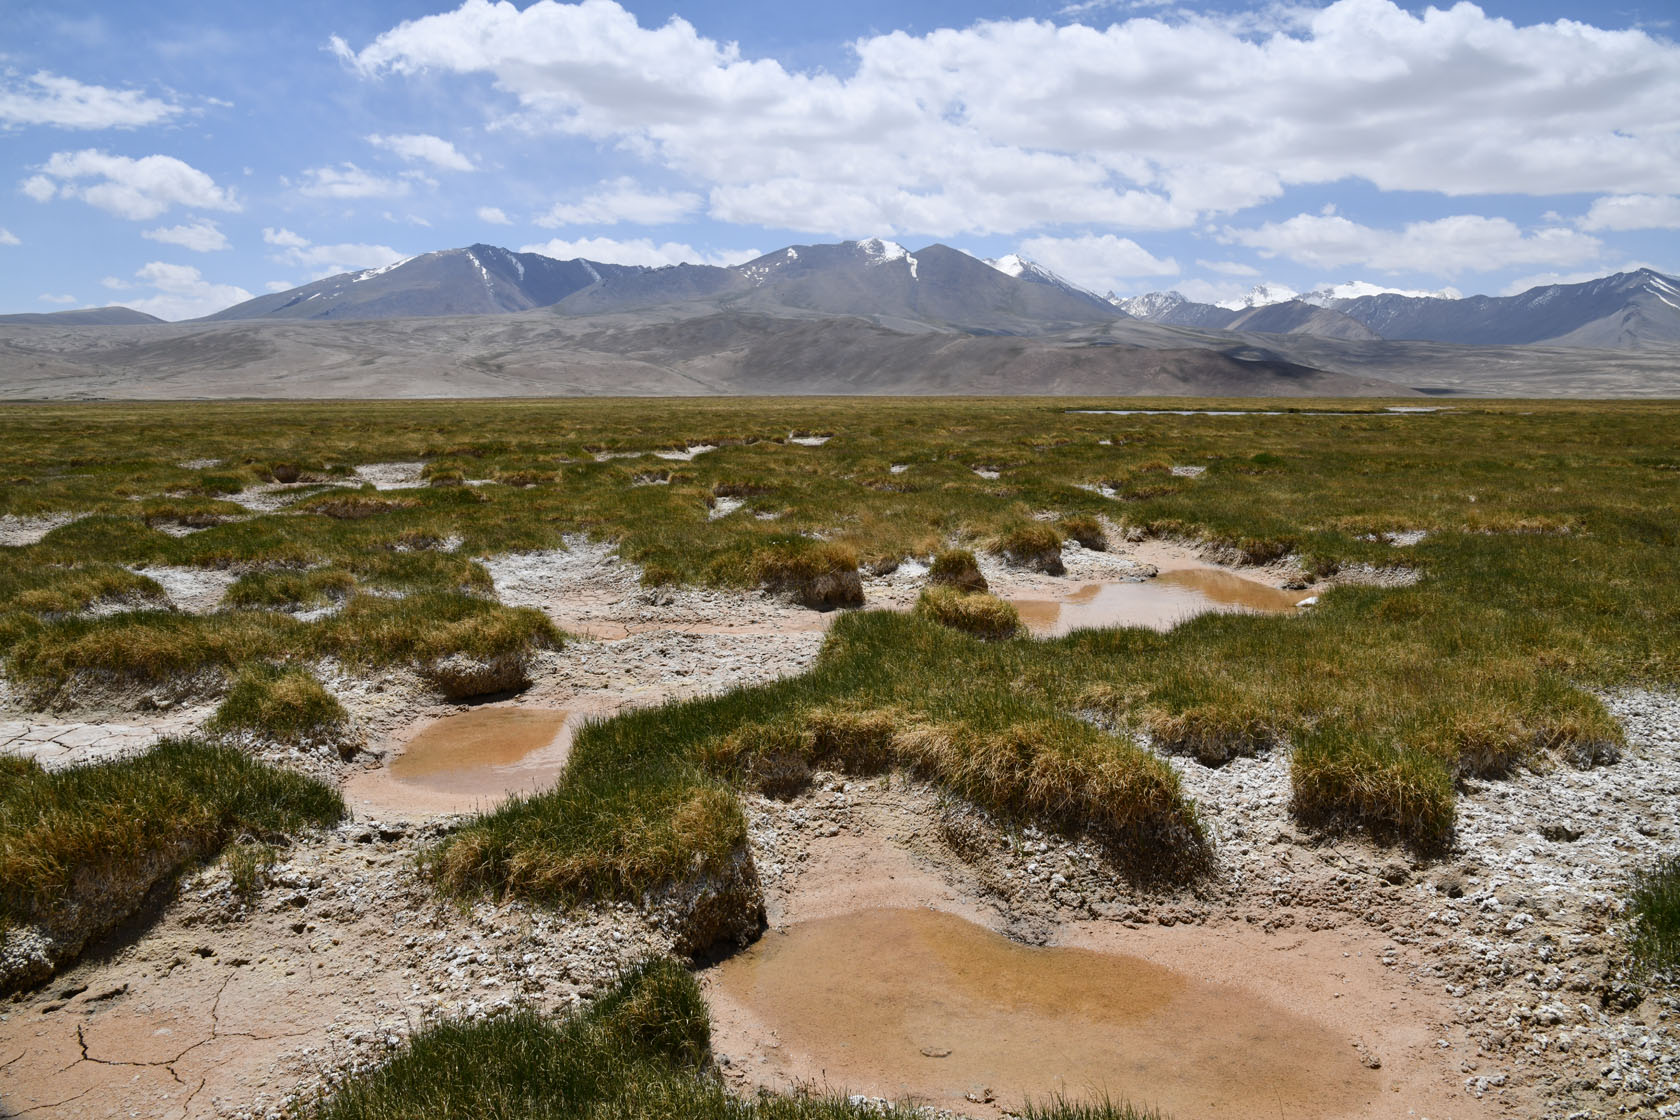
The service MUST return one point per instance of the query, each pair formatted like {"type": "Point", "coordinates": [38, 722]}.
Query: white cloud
{"type": "Point", "coordinates": [622, 200]}
{"type": "Point", "coordinates": [7, 237]}
{"type": "Point", "coordinates": [298, 251]}
{"type": "Point", "coordinates": [50, 99]}
{"type": "Point", "coordinates": [278, 285]}
{"type": "Point", "coordinates": [494, 215]}
{"type": "Point", "coordinates": [137, 189]}
{"type": "Point", "coordinates": [1140, 125]}
{"type": "Point", "coordinates": [202, 236]}
{"type": "Point", "coordinates": [418, 147]}
{"type": "Point", "coordinates": [349, 181]}
{"type": "Point", "coordinates": [181, 292]}
{"type": "Point", "coordinates": [1446, 246]}
{"type": "Point", "coordinates": [1229, 268]}
{"type": "Point", "coordinates": [285, 238]}
{"type": "Point", "coordinates": [1096, 262]}
{"type": "Point", "coordinates": [637, 251]}
{"type": "Point", "coordinates": [47, 298]}
{"type": "Point", "coordinates": [1633, 211]}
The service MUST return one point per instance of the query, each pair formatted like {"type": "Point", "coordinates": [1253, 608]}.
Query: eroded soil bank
{"type": "Point", "coordinates": [1471, 986]}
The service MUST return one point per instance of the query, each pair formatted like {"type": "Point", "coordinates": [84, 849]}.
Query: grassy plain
{"type": "Point", "coordinates": [1549, 566]}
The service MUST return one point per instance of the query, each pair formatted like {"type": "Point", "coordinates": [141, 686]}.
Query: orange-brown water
{"type": "Point", "coordinates": [923, 1004]}
{"type": "Point", "coordinates": [486, 752]}
{"type": "Point", "coordinates": [1160, 603]}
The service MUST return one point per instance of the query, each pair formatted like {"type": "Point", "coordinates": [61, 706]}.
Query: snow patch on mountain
{"type": "Point", "coordinates": [370, 273]}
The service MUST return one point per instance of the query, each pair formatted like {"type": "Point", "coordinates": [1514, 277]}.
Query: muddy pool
{"type": "Point", "coordinates": [470, 760]}
{"type": "Point", "coordinates": [919, 1004]}
{"type": "Point", "coordinates": [1160, 603]}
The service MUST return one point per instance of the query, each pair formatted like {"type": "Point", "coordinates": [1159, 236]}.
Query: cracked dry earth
{"type": "Point", "coordinates": [1475, 986]}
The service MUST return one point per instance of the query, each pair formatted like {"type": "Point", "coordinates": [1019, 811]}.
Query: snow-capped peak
{"type": "Point", "coordinates": [1355, 289]}
{"type": "Point", "coordinates": [1261, 295]}
{"type": "Point", "coordinates": [882, 252]}
{"type": "Point", "coordinates": [1149, 305]}
{"type": "Point", "coordinates": [1024, 268]}
{"type": "Point", "coordinates": [885, 252]}
{"type": "Point", "coordinates": [1014, 265]}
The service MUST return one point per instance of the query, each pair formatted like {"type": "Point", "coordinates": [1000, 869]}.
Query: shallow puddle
{"type": "Point", "coordinates": [1160, 603]}
{"type": "Point", "coordinates": [469, 761]}
{"type": "Point", "coordinates": [486, 751]}
{"type": "Point", "coordinates": [922, 1004]}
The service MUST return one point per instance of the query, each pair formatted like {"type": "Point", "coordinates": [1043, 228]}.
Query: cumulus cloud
{"type": "Point", "coordinates": [349, 181]}
{"type": "Point", "coordinates": [640, 250]}
{"type": "Point", "coordinates": [7, 237]}
{"type": "Point", "coordinates": [181, 292]}
{"type": "Point", "coordinates": [137, 189]}
{"type": "Point", "coordinates": [46, 297]}
{"type": "Point", "coordinates": [1097, 262]}
{"type": "Point", "coordinates": [49, 99]}
{"type": "Point", "coordinates": [418, 147]}
{"type": "Point", "coordinates": [494, 215]}
{"type": "Point", "coordinates": [319, 261]}
{"type": "Point", "coordinates": [1140, 125]}
{"type": "Point", "coordinates": [1633, 211]}
{"type": "Point", "coordinates": [202, 236]}
{"type": "Point", "coordinates": [1446, 246]}
{"type": "Point", "coordinates": [622, 200]}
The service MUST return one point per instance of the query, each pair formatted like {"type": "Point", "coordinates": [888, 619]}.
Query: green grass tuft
{"type": "Point", "coordinates": [1341, 776]}
{"type": "Point", "coordinates": [1654, 903]}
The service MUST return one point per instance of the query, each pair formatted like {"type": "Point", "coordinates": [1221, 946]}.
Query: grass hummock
{"type": "Point", "coordinates": [284, 704]}
{"type": "Point", "coordinates": [81, 848]}
{"type": "Point", "coordinates": [973, 612]}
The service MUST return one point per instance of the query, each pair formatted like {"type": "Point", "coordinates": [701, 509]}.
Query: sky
{"type": "Point", "coordinates": [180, 156]}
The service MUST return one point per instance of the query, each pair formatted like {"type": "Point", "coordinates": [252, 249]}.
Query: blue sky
{"type": "Point", "coordinates": [181, 156]}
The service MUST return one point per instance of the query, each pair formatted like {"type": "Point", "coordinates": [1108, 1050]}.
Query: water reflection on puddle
{"type": "Point", "coordinates": [926, 1004]}
{"type": "Point", "coordinates": [1159, 603]}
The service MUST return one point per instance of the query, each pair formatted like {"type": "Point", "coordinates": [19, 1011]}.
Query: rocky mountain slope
{"type": "Point", "coordinates": [86, 317]}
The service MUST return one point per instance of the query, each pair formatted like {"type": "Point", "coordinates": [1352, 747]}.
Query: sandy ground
{"type": "Point", "coordinates": [1474, 986]}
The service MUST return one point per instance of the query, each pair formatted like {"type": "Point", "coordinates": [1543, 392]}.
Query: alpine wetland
{"type": "Point", "coordinates": [632, 676]}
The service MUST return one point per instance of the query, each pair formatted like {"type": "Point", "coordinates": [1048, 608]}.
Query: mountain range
{"type": "Point", "coordinates": [1626, 311]}
{"type": "Point", "coordinates": [939, 287]}
{"type": "Point", "coordinates": [855, 317]}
